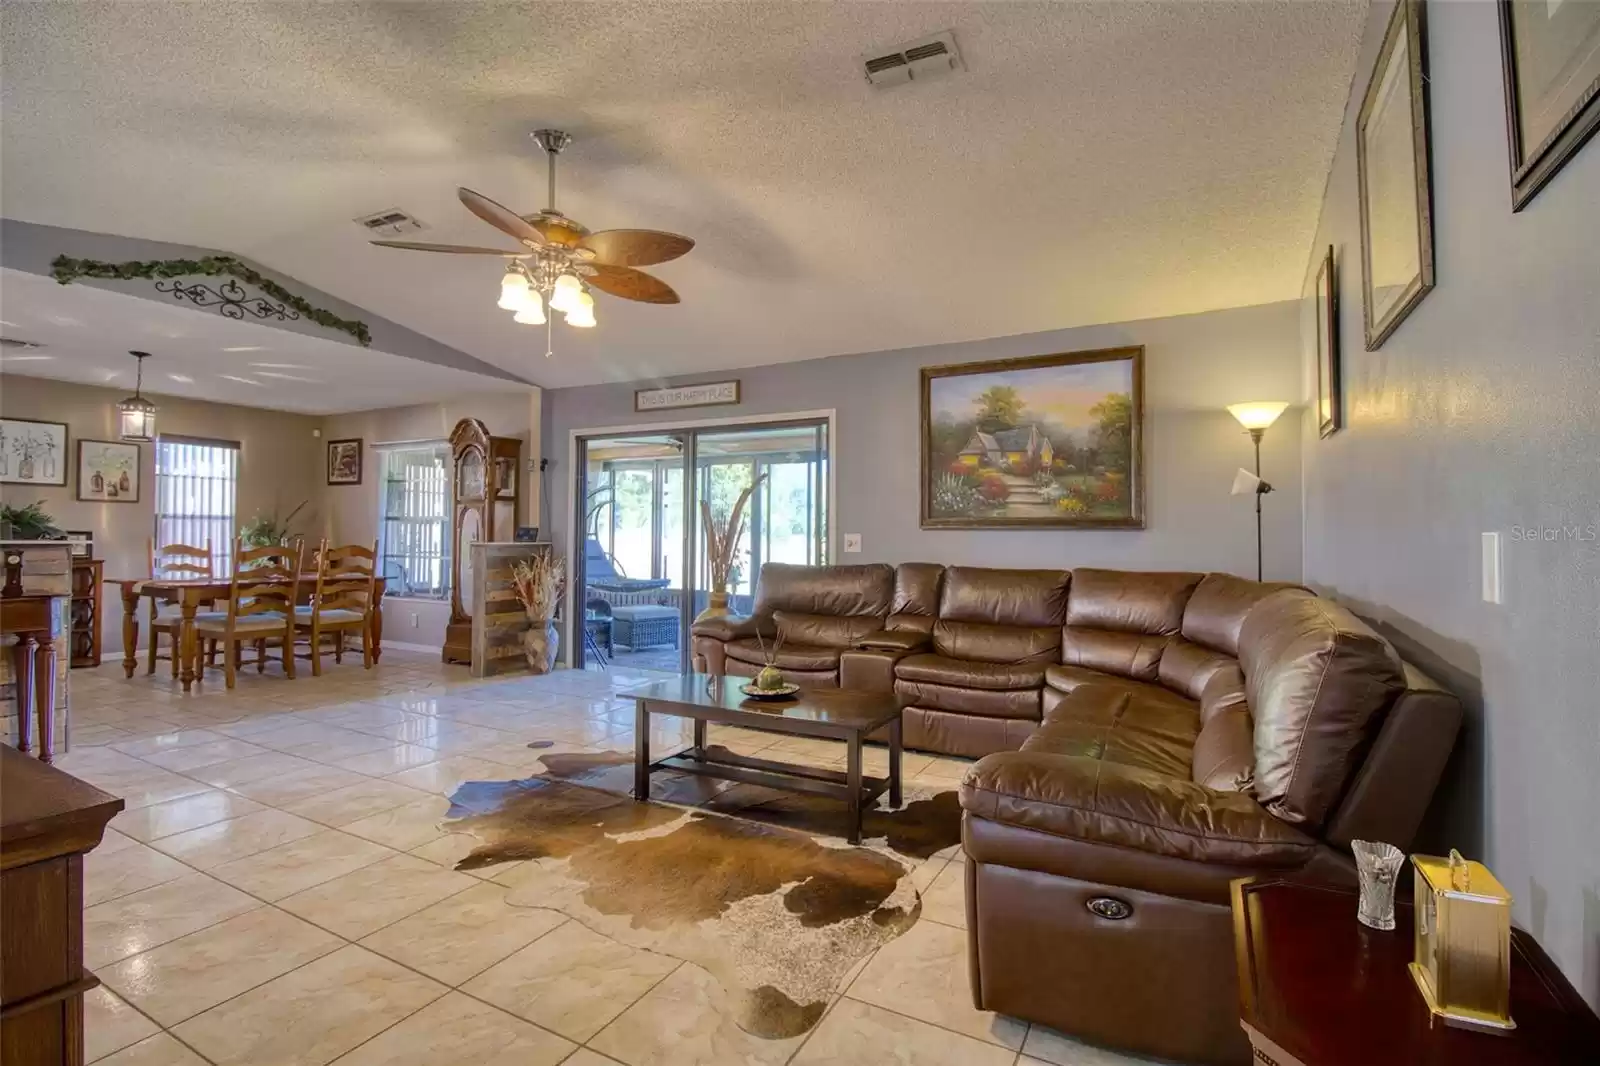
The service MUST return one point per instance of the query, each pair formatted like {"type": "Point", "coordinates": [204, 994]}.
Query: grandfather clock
{"type": "Point", "coordinates": [485, 497]}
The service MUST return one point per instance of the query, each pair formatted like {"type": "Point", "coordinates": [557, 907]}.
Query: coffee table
{"type": "Point", "coordinates": [838, 714]}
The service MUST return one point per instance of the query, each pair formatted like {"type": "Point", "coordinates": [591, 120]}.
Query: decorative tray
{"type": "Point", "coordinates": [782, 692]}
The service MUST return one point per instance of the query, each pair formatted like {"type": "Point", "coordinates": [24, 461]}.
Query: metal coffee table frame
{"type": "Point", "coordinates": [855, 789]}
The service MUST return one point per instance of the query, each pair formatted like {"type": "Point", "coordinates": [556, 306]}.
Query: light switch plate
{"type": "Point", "coordinates": [1492, 587]}
{"type": "Point", "coordinates": [852, 542]}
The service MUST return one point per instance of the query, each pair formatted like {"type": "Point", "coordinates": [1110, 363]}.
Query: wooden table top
{"type": "Point", "coordinates": [45, 811]}
{"type": "Point", "coordinates": [814, 711]}
{"type": "Point", "coordinates": [1332, 992]}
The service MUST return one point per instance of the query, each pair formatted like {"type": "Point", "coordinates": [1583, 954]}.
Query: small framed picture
{"type": "Point", "coordinates": [344, 461]}
{"type": "Point", "coordinates": [81, 543]}
{"type": "Point", "coordinates": [108, 471]}
{"type": "Point", "coordinates": [33, 453]}
{"type": "Point", "coordinates": [1330, 411]}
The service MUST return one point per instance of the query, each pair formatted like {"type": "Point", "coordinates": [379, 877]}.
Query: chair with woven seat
{"type": "Point", "coordinates": [343, 601]}
{"type": "Point", "coordinates": [261, 601]}
{"type": "Point", "coordinates": [174, 561]}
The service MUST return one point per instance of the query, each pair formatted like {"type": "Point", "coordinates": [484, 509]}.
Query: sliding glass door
{"type": "Point", "coordinates": [638, 596]}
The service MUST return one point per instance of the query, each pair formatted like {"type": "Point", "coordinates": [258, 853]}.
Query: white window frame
{"type": "Point", "coordinates": [178, 518]}
{"type": "Point", "coordinates": [398, 575]}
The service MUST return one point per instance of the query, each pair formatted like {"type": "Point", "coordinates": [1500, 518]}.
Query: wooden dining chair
{"type": "Point", "coordinates": [261, 602]}
{"type": "Point", "coordinates": [174, 561]}
{"type": "Point", "coordinates": [344, 600]}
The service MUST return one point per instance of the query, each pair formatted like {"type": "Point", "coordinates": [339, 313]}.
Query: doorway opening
{"type": "Point", "coordinates": [643, 572]}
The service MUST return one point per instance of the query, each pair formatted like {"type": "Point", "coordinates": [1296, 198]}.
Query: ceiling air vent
{"type": "Point", "coordinates": [391, 223]}
{"type": "Point", "coordinates": [930, 57]}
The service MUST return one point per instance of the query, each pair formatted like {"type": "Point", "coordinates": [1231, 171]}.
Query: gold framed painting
{"type": "Point", "coordinates": [1325, 300]}
{"type": "Point", "coordinates": [1550, 52]}
{"type": "Point", "coordinates": [1049, 441]}
{"type": "Point", "coordinates": [1395, 179]}
{"type": "Point", "coordinates": [108, 471]}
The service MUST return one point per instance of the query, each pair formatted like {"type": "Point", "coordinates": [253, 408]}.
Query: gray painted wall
{"type": "Point", "coordinates": [1195, 365]}
{"type": "Point", "coordinates": [1482, 412]}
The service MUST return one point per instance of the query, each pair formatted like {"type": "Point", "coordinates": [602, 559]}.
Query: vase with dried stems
{"type": "Point", "coordinates": [539, 582]}
{"type": "Point", "coordinates": [722, 542]}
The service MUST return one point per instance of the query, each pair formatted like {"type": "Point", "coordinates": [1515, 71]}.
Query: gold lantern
{"type": "Point", "coordinates": [1463, 942]}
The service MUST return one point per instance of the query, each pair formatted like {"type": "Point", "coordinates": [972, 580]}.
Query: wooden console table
{"type": "Point", "coordinates": [30, 618]}
{"type": "Point", "coordinates": [48, 821]}
{"type": "Point", "coordinates": [1318, 988]}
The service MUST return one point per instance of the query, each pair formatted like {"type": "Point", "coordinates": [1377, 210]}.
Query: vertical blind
{"type": "Point", "coordinates": [197, 485]}
{"type": "Point", "coordinates": [415, 542]}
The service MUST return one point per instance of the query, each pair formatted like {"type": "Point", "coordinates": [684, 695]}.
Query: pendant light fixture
{"type": "Point", "coordinates": [136, 414]}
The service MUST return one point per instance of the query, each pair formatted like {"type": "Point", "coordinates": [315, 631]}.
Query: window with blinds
{"type": "Point", "coordinates": [414, 546]}
{"type": "Point", "coordinates": [197, 486]}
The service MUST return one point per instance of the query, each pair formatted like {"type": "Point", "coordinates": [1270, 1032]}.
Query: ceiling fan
{"type": "Point", "coordinates": [562, 260]}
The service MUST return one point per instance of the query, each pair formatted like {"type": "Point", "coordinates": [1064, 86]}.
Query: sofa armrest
{"type": "Point", "coordinates": [1099, 802]}
{"type": "Point", "coordinates": [732, 627]}
{"type": "Point", "coordinates": [895, 640]}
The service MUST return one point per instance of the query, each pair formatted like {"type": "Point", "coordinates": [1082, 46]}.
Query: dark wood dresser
{"type": "Point", "coordinates": [48, 821]}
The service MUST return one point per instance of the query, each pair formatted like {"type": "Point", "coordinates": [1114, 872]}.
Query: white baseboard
{"type": "Point", "coordinates": [386, 645]}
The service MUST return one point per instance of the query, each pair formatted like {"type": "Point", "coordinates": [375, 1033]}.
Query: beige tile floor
{"type": "Point", "coordinates": [279, 892]}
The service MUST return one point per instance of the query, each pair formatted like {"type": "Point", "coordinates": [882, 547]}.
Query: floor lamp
{"type": "Point", "coordinates": [1255, 418]}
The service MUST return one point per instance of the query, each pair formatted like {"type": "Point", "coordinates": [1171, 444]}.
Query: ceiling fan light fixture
{"type": "Point", "coordinates": [531, 313]}
{"type": "Point", "coordinates": [582, 313]}
{"type": "Point", "coordinates": [514, 290]}
{"type": "Point", "coordinates": [564, 297]}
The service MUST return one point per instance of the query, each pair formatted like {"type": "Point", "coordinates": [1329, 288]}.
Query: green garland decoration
{"type": "Point", "coordinates": [66, 270]}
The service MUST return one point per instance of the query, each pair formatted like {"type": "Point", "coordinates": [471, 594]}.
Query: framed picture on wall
{"type": "Point", "coordinates": [1395, 177]}
{"type": "Point", "coordinates": [344, 461]}
{"type": "Point", "coordinates": [1550, 56]}
{"type": "Point", "coordinates": [1040, 442]}
{"type": "Point", "coordinates": [1325, 298]}
{"type": "Point", "coordinates": [108, 471]}
{"type": "Point", "coordinates": [81, 543]}
{"type": "Point", "coordinates": [33, 453]}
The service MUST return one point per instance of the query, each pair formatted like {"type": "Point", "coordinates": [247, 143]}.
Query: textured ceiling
{"type": "Point", "coordinates": [1095, 162]}
{"type": "Point", "coordinates": [84, 334]}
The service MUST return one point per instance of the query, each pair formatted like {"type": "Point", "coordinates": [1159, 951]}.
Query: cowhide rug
{"type": "Point", "coordinates": [754, 885]}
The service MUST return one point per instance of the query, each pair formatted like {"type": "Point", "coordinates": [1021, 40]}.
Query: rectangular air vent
{"type": "Point", "coordinates": [391, 223]}
{"type": "Point", "coordinates": [928, 58]}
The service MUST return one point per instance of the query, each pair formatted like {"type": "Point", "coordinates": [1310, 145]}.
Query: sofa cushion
{"type": "Point", "coordinates": [1004, 597]}
{"type": "Point", "coordinates": [966, 673]}
{"type": "Point", "coordinates": [830, 590]}
{"type": "Point", "coordinates": [789, 657]}
{"type": "Point", "coordinates": [1132, 655]}
{"type": "Point", "coordinates": [984, 703]}
{"type": "Point", "coordinates": [1129, 601]}
{"type": "Point", "coordinates": [989, 643]}
{"type": "Point", "coordinates": [1096, 801]}
{"type": "Point", "coordinates": [1123, 726]}
{"type": "Point", "coordinates": [1317, 677]}
{"type": "Point", "coordinates": [1224, 752]}
{"type": "Point", "coordinates": [916, 597]}
{"type": "Point", "coordinates": [1224, 692]}
{"type": "Point", "coordinates": [1217, 608]}
{"type": "Point", "coordinates": [1062, 680]}
{"type": "Point", "coordinates": [1186, 667]}
{"type": "Point", "coordinates": [823, 630]}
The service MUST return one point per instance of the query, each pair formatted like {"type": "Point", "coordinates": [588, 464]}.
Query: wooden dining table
{"type": "Point", "coordinates": [190, 594]}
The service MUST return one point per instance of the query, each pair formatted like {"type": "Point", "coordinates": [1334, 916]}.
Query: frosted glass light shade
{"type": "Point", "coordinates": [565, 296]}
{"type": "Point", "coordinates": [531, 313]}
{"type": "Point", "coordinates": [582, 313]}
{"type": "Point", "coordinates": [136, 419]}
{"type": "Point", "coordinates": [514, 291]}
{"type": "Point", "coordinates": [1257, 415]}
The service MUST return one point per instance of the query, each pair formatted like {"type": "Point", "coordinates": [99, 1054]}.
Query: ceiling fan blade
{"type": "Point", "coordinates": [457, 249]}
{"type": "Point", "coordinates": [635, 247]}
{"type": "Point", "coordinates": [501, 217]}
{"type": "Point", "coordinates": [631, 284]}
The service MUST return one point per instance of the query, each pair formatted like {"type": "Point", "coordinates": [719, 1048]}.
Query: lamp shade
{"type": "Point", "coordinates": [564, 296]}
{"type": "Point", "coordinates": [531, 313]}
{"type": "Point", "coordinates": [136, 419]}
{"type": "Point", "coordinates": [1257, 414]}
{"type": "Point", "coordinates": [513, 291]}
{"type": "Point", "coordinates": [582, 313]}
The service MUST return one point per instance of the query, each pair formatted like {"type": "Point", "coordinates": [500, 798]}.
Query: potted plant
{"type": "Point", "coordinates": [28, 523]}
{"type": "Point", "coordinates": [265, 530]}
{"type": "Point", "coordinates": [722, 541]}
{"type": "Point", "coordinates": [539, 582]}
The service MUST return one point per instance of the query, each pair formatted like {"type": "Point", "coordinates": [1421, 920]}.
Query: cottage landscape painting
{"type": "Point", "coordinates": [1052, 440]}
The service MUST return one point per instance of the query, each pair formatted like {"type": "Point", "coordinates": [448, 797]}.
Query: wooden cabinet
{"type": "Point", "coordinates": [86, 605]}
{"type": "Point", "coordinates": [48, 821]}
{"type": "Point", "coordinates": [486, 498]}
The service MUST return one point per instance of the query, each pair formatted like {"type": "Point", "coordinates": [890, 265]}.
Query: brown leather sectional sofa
{"type": "Point", "coordinates": [1149, 737]}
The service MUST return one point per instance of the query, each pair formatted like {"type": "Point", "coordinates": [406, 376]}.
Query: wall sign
{"type": "Point", "coordinates": [710, 394]}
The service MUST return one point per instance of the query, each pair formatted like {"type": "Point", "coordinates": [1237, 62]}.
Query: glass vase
{"type": "Point", "coordinates": [1377, 866]}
